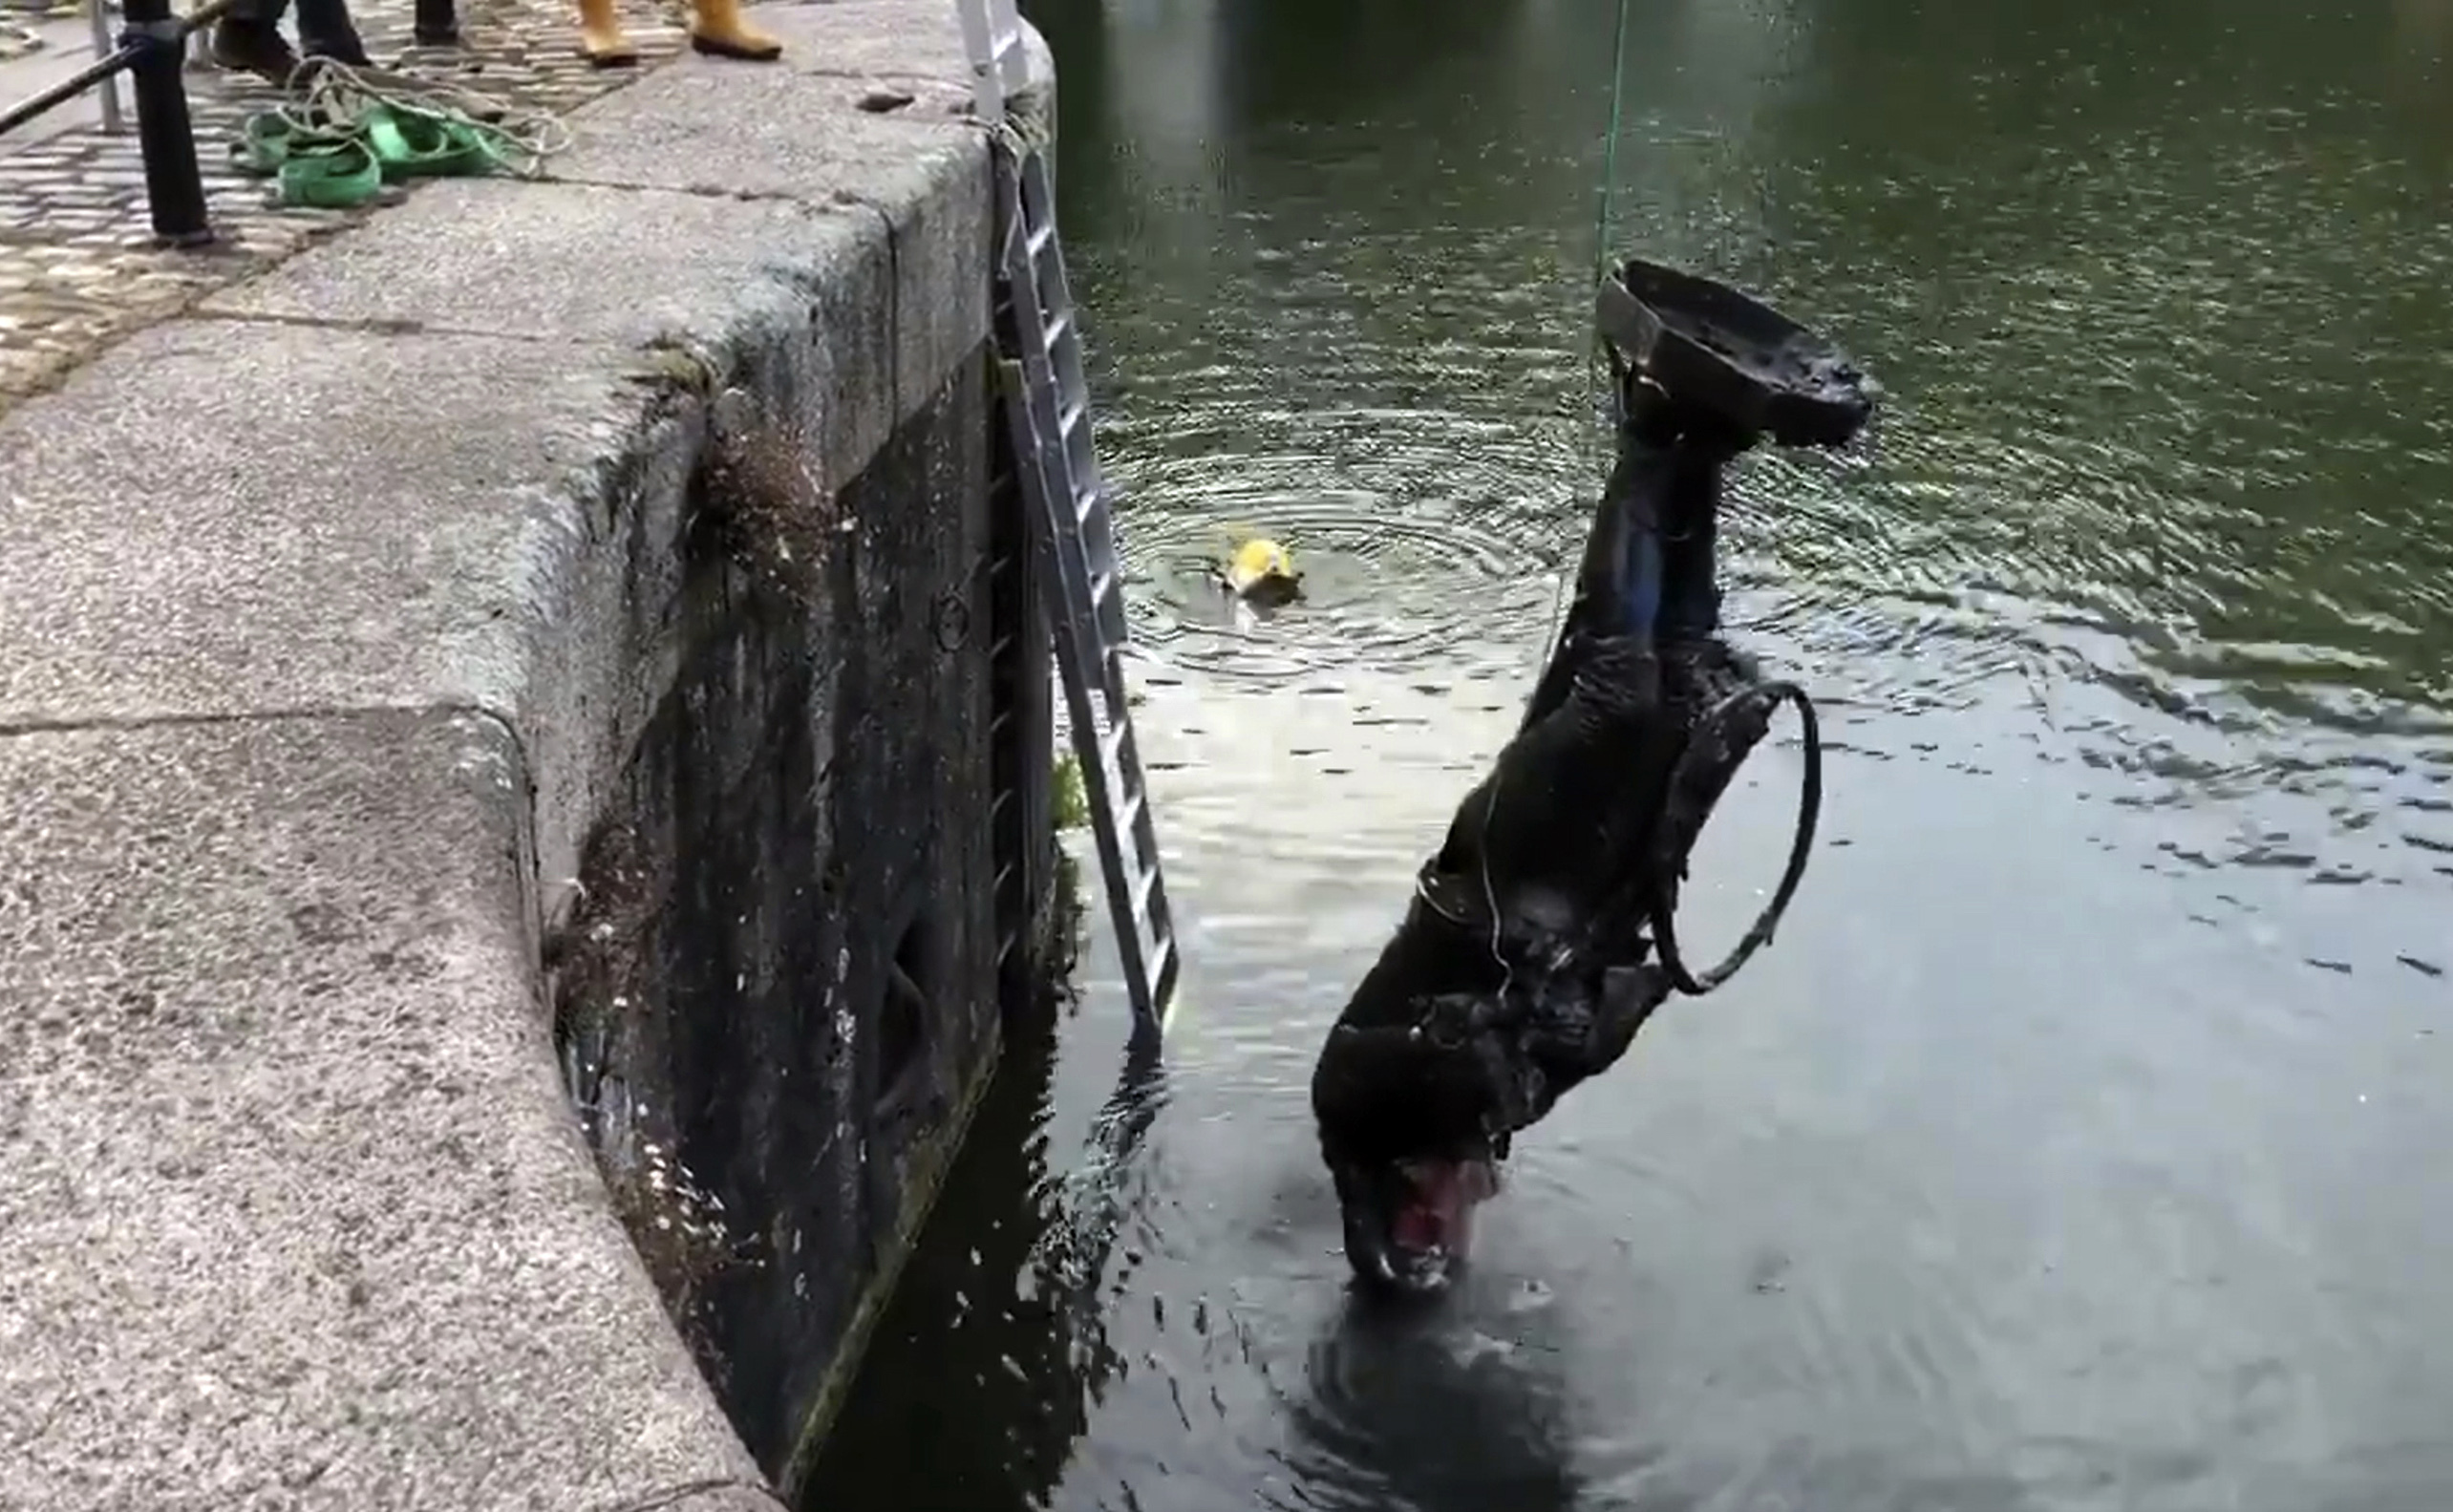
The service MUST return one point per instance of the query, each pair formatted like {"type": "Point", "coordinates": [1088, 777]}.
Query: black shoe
{"type": "Point", "coordinates": [345, 48]}
{"type": "Point", "coordinates": [245, 46]}
{"type": "Point", "coordinates": [325, 32]}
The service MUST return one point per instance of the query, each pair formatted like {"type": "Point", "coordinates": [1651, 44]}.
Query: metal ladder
{"type": "Point", "coordinates": [1047, 404]}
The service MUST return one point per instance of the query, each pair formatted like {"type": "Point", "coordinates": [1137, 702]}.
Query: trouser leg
{"type": "Point", "coordinates": [247, 39]}
{"type": "Point", "coordinates": [325, 29]}
{"type": "Point", "coordinates": [1690, 548]}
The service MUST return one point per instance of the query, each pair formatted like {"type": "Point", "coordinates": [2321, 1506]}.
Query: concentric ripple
{"type": "Point", "coordinates": [1407, 588]}
{"type": "Point", "coordinates": [2072, 1148]}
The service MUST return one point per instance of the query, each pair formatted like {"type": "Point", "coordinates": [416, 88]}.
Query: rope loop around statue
{"type": "Point", "coordinates": [1704, 738]}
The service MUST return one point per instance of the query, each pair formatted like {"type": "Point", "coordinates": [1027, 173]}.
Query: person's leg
{"type": "Point", "coordinates": [247, 39]}
{"type": "Point", "coordinates": [717, 29]}
{"type": "Point", "coordinates": [325, 30]}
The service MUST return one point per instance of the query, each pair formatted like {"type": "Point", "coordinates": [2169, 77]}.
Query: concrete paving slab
{"type": "Point", "coordinates": [557, 261]}
{"type": "Point", "coordinates": [625, 269]}
{"type": "Point", "coordinates": [228, 517]}
{"type": "Point", "coordinates": [801, 133]}
{"type": "Point", "coordinates": [295, 1215]}
{"type": "Point", "coordinates": [79, 270]}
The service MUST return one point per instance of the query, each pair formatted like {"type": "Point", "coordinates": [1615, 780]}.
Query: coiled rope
{"type": "Point", "coordinates": [343, 133]}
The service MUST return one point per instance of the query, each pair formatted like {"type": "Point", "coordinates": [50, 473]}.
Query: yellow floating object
{"type": "Point", "coordinates": [1263, 571]}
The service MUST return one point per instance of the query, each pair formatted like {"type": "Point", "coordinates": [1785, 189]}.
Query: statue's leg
{"type": "Point", "coordinates": [1564, 808]}
{"type": "Point", "coordinates": [1689, 541]}
{"type": "Point", "coordinates": [1700, 671]}
{"type": "Point", "coordinates": [601, 38]}
{"type": "Point", "coordinates": [717, 29]}
{"type": "Point", "coordinates": [1612, 598]}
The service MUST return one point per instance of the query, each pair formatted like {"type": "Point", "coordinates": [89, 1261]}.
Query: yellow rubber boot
{"type": "Point", "coordinates": [717, 29]}
{"type": "Point", "coordinates": [599, 35]}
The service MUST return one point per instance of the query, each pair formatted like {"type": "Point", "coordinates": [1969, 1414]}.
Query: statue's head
{"type": "Point", "coordinates": [1412, 1123]}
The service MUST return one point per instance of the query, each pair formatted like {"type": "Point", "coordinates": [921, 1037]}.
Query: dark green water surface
{"type": "Point", "coordinates": [2086, 1139]}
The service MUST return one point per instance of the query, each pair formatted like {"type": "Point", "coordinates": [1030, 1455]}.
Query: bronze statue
{"type": "Point", "coordinates": [1541, 936]}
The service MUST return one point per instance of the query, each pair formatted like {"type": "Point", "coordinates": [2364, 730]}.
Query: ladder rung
{"type": "Point", "coordinates": [1111, 750]}
{"type": "Point", "coordinates": [1051, 413]}
{"type": "Point", "coordinates": [1160, 973]}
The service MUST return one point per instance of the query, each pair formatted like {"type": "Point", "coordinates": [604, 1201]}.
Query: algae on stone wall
{"type": "Point", "coordinates": [757, 504]}
{"type": "Point", "coordinates": [599, 987]}
{"type": "Point", "coordinates": [763, 501]}
{"type": "Point", "coordinates": [1068, 807]}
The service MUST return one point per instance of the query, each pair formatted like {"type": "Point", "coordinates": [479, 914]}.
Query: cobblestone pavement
{"type": "Point", "coordinates": [77, 269]}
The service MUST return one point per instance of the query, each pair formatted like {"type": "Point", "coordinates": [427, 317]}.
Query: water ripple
{"type": "Point", "coordinates": [2069, 1151]}
{"type": "Point", "coordinates": [1433, 584]}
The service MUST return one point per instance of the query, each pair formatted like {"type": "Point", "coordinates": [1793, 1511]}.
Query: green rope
{"type": "Point", "coordinates": [343, 133]}
{"type": "Point", "coordinates": [1596, 360]}
{"type": "Point", "coordinates": [1609, 145]}
{"type": "Point", "coordinates": [1601, 253]}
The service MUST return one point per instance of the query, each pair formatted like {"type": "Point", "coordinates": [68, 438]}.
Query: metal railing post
{"type": "Point", "coordinates": [436, 23]}
{"type": "Point", "coordinates": [174, 186]}
{"type": "Point", "coordinates": [114, 122]}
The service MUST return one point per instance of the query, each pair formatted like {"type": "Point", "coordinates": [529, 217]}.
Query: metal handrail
{"type": "Point", "coordinates": [153, 46]}
{"type": "Point", "coordinates": [153, 43]}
